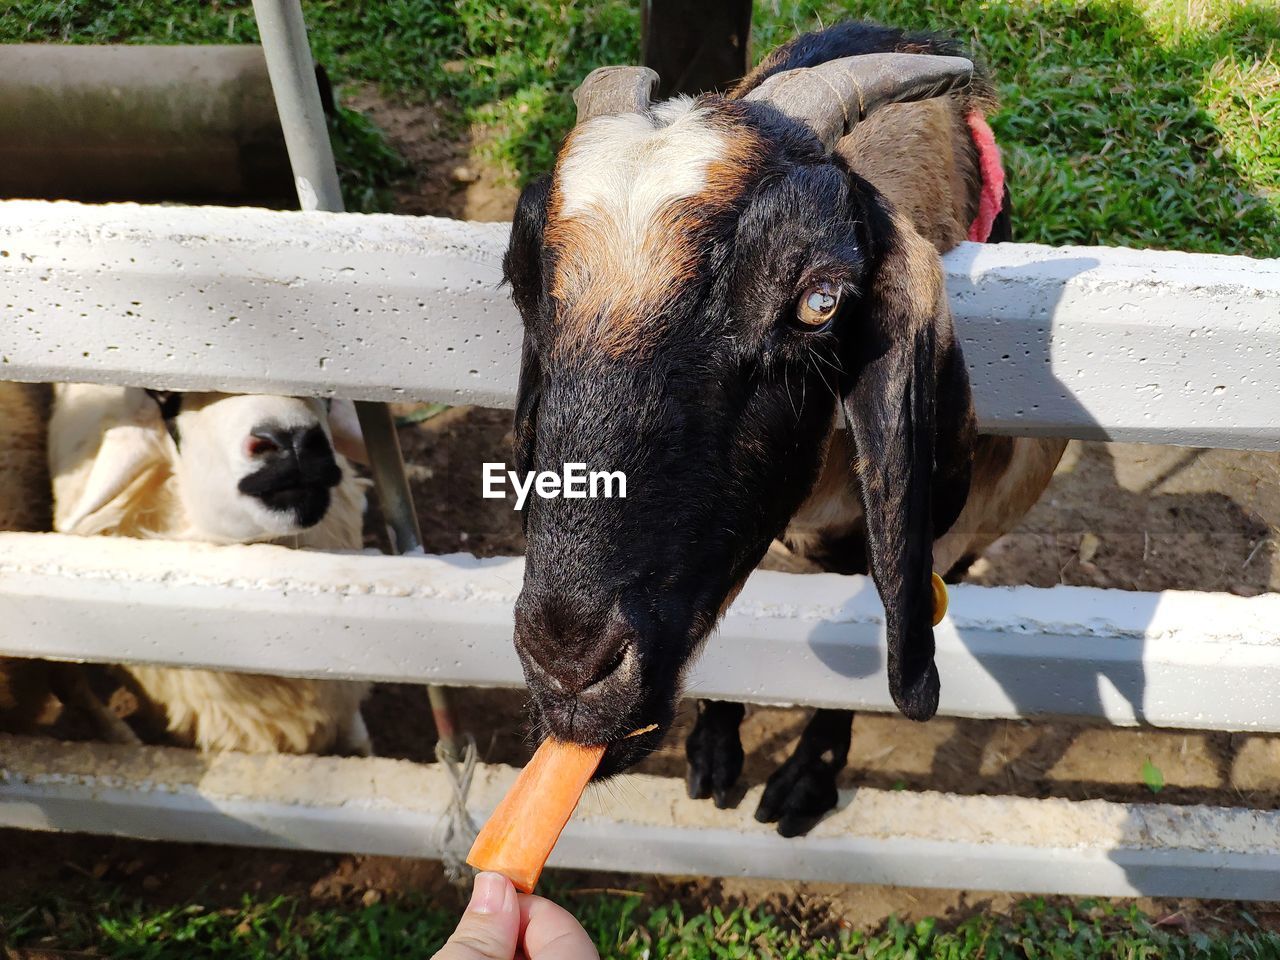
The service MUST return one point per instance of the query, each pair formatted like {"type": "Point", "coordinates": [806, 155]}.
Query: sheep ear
{"type": "Point", "coordinates": [909, 408]}
{"type": "Point", "coordinates": [95, 476]}
{"type": "Point", "coordinates": [344, 428]}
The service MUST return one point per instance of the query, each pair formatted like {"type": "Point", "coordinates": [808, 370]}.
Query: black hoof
{"type": "Point", "coordinates": [714, 749]}
{"type": "Point", "coordinates": [798, 794]}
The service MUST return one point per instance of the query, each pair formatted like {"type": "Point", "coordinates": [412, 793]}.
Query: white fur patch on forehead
{"type": "Point", "coordinates": [629, 196]}
{"type": "Point", "coordinates": [628, 167]}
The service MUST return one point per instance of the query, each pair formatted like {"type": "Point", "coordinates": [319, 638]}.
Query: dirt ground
{"type": "Point", "coordinates": [1123, 516]}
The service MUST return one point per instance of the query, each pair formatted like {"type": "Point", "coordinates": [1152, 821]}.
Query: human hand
{"type": "Point", "coordinates": [501, 924]}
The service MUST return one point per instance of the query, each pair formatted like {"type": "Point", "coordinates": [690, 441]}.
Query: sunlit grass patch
{"type": "Point", "coordinates": [623, 927]}
{"type": "Point", "coordinates": [1127, 122]}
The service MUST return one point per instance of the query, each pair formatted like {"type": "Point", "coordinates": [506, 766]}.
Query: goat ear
{"type": "Point", "coordinates": [522, 263]}
{"type": "Point", "coordinates": [523, 269]}
{"type": "Point", "coordinates": [527, 396]}
{"type": "Point", "coordinates": [95, 479]}
{"type": "Point", "coordinates": [910, 412]}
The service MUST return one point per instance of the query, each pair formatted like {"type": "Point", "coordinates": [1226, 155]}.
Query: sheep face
{"type": "Point", "coordinates": [251, 467]}
{"type": "Point", "coordinates": [705, 292]}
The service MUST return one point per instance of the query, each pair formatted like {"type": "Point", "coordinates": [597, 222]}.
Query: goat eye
{"type": "Point", "coordinates": [817, 305]}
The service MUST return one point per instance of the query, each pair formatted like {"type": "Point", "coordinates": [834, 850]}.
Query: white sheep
{"type": "Point", "coordinates": [223, 469]}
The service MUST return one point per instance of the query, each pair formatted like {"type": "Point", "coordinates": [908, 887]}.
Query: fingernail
{"type": "Point", "coordinates": [489, 893]}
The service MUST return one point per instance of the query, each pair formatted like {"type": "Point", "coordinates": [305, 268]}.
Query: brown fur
{"type": "Point", "coordinates": [917, 155]}
{"type": "Point", "coordinates": [24, 474]}
{"type": "Point", "coordinates": [608, 304]}
{"type": "Point", "coordinates": [921, 157]}
{"type": "Point", "coordinates": [25, 693]}
{"type": "Point", "coordinates": [25, 505]}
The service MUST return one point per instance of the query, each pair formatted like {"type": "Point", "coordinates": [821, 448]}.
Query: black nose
{"type": "Point", "coordinates": [577, 673]}
{"type": "Point", "coordinates": [309, 446]}
{"type": "Point", "coordinates": [585, 671]}
{"type": "Point", "coordinates": [296, 470]}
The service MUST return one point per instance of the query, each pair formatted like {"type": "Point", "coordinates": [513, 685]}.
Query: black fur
{"type": "Point", "coordinates": [1002, 226]}
{"type": "Point", "coordinates": [170, 405]}
{"type": "Point", "coordinates": [720, 431]}
{"type": "Point", "coordinates": [804, 788]}
{"type": "Point", "coordinates": [714, 752]}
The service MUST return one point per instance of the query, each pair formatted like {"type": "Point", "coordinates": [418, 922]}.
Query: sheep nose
{"type": "Point", "coordinates": [287, 458]}
{"type": "Point", "coordinates": [303, 444]}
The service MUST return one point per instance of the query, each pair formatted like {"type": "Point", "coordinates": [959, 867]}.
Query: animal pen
{"type": "Point", "coordinates": [1091, 343]}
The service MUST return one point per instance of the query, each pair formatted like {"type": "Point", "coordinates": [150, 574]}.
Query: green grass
{"type": "Point", "coordinates": [622, 927]}
{"type": "Point", "coordinates": [1127, 122]}
{"type": "Point", "coordinates": [368, 167]}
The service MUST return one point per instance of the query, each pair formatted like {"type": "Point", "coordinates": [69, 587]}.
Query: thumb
{"type": "Point", "coordinates": [490, 927]}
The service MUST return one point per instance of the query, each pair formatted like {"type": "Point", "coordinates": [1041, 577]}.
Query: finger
{"type": "Point", "coordinates": [490, 928]}
{"type": "Point", "coordinates": [550, 932]}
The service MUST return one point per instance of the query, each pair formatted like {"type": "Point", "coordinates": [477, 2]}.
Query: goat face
{"type": "Point", "coordinates": [251, 467]}
{"type": "Point", "coordinates": [706, 289]}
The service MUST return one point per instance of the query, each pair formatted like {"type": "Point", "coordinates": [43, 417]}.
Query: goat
{"type": "Point", "coordinates": [709, 286]}
{"type": "Point", "coordinates": [224, 469]}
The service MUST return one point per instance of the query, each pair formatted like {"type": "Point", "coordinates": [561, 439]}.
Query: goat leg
{"type": "Point", "coordinates": [714, 750]}
{"type": "Point", "coordinates": [804, 788]}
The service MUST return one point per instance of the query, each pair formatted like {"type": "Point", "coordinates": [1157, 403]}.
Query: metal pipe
{"type": "Point", "coordinates": [387, 465]}
{"type": "Point", "coordinates": [293, 80]}
{"type": "Point", "coordinates": [292, 72]}
{"type": "Point", "coordinates": [140, 123]}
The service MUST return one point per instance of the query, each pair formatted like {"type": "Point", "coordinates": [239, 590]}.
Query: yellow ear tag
{"type": "Point", "coordinates": [939, 599]}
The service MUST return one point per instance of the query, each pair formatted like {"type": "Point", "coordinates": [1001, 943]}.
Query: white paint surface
{"type": "Point", "coordinates": [1158, 347]}
{"type": "Point", "coordinates": [646, 824]}
{"type": "Point", "coordinates": [1085, 342]}
{"type": "Point", "coordinates": [1177, 659]}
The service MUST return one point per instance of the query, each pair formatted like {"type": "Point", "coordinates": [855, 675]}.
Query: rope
{"type": "Point", "coordinates": [459, 830]}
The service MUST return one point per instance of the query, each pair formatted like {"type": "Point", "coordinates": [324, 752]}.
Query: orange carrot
{"type": "Point", "coordinates": [520, 835]}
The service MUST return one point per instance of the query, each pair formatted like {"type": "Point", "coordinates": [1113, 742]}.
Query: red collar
{"type": "Point", "coordinates": [992, 195]}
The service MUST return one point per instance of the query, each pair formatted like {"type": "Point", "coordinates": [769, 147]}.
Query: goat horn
{"type": "Point", "coordinates": [615, 90]}
{"type": "Point", "coordinates": [833, 97]}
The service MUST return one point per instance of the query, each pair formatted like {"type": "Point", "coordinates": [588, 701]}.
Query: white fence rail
{"type": "Point", "coordinates": [1092, 343]}
{"type": "Point", "coordinates": [646, 823]}
{"type": "Point", "coordinates": [1084, 342]}
{"type": "Point", "coordinates": [1176, 659]}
